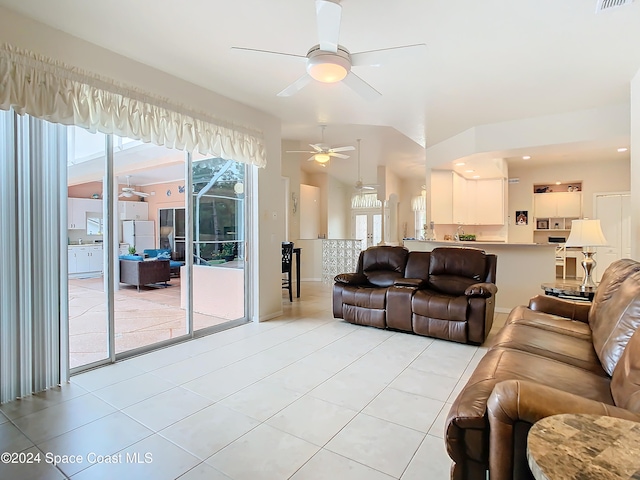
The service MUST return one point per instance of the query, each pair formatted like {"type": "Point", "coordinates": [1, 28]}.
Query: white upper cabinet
{"type": "Point", "coordinates": [133, 210]}
{"type": "Point", "coordinates": [77, 209]}
{"type": "Point", "coordinates": [456, 200]}
{"type": "Point", "coordinates": [442, 197]}
{"type": "Point", "coordinates": [557, 204]}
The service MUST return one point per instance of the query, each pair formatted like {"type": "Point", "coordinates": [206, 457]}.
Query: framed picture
{"type": "Point", "coordinates": [522, 217]}
{"type": "Point", "coordinates": [542, 224]}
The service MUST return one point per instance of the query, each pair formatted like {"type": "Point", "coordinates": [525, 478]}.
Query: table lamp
{"type": "Point", "coordinates": [586, 234]}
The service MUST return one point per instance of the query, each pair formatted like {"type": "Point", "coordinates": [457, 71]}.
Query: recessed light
{"type": "Point", "coordinates": [469, 171]}
{"type": "Point", "coordinates": [527, 157]}
{"type": "Point", "coordinates": [622, 149]}
{"type": "Point", "coordinates": [558, 183]}
{"type": "Point", "coordinates": [476, 176]}
{"type": "Point", "coordinates": [460, 164]}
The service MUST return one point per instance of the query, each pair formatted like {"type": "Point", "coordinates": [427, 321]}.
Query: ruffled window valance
{"type": "Point", "coordinates": [53, 91]}
{"type": "Point", "coordinates": [419, 203]}
{"type": "Point", "coordinates": [366, 200]}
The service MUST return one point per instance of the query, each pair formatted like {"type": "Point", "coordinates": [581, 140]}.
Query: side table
{"type": "Point", "coordinates": [584, 446]}
{"type": "Point", "coordinates": [569, 290]}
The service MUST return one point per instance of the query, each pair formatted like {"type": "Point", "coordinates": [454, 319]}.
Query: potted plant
{"type": "Point", "coordinates": [132, 250]}
{"type": "Point", "coordinates": [228, 251]}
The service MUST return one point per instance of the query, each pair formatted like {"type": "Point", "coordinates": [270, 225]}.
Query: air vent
{"type": "Point", "coordinates": [604, 5]}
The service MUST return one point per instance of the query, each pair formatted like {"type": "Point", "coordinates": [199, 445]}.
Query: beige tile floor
{"type": "Point", "coordinates": [142, 318]}
{"type": "Point", "coordinates": [303, 396]}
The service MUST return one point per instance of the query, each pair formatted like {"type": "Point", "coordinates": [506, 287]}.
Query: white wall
{"type": "Point", "coordinates": [338, 209]}
{"type": "Point", "coordinates": [605, 175]}
{"type": "Point", "coordinates": [28, 34]}
{"type": "Point", "coordinates": [291, 170]}
{"type": "Point", "coordinates": [309, 212]}
{"type": "Point", "coordinates": [635, 166]}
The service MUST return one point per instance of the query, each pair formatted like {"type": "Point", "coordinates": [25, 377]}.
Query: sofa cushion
{"type": "Point", "coordinates": [620, 318]}
{"type": "Point", "coordinates": [453, 274]}
{"type": "Point", "coordinates": [612, 277]}
{"type": "Point", "coordinates": [625, 383]}
{"type": "Point", "coordinates": [383, 265]}
{"type": "Point", "coordinates": [430, 304]}
{"type": "Point", "coordinates": [136, 258]}
{"type": "Point", "coordinates": [522, 315]}
{"type": "Point", "coordinates": [366, 297]}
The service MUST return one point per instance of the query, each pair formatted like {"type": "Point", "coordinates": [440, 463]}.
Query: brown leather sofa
{"type": "Point", "coordinates": [138, 273]}
{"type": "Point", "coordinates": [448, 293]}
{"type": "Point", "coordinates": [554, 356]}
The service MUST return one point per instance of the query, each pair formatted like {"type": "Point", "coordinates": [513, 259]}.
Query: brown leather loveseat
{"type": "Point", "coordinates": [448, 293]}
{"type": "Point", "coordinates": [554, 356]}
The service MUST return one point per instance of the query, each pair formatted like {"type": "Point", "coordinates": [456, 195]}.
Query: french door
{"type": "Point", "coordinates": [366, 225]}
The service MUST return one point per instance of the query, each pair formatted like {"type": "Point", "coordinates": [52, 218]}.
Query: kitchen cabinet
{"type": "Point", "coordinates": [557, 205]}
{"type": "Point", "coordinates": [133, 210]}
{"type": "Point", "coordinates": [442, 197]}
{"type": "Point", "coordinates": [77, 209]}
{"type": "Point", "coordinates": [85, 259]}
{"type": "Point", "coordinates": [456, 200]}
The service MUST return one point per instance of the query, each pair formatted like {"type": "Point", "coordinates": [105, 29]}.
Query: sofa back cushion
{"type": "Point", "coordinates": [625, 383]}
{"type": "Point", "coordinates": [418, 265]}
{"type": "Point", "coordinates": [619, 319]}
{"type": "Point", "coordinates": [136, 258]}
{"type": "Point", "coordinates": [453, 269]}
{"type": "Point", "coordinates": [382, 265]}
{"type": "Point", "coordinates": [612, 277]}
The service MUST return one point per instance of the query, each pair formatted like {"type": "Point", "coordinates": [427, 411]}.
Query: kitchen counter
{"type": "Point", "coordinates": [521, 268]}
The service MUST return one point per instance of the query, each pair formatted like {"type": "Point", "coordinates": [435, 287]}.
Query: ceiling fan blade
{"type": "Point", "coordinates": [375, 58]}
{"type": "Point", "coordinates": [368, 187]}
{"type": "Point", "coordinates": [338, 155]}
{"type": "Point", "coordinates": [141, 194]}
{"type": "Point", "coordinates": [296, 86]}
{"type": "Point", "coordinates": [316, 147]}
{"type": "Point", "coordinates": [361, 87]}
{"type": "Point", "coordinates": [268, 51]}
{"type": "Point", "coordinates": [328, 13]}
{"type": "Point", "coordinates": [342, 149]}
{"type": "Point", "coordinates": [298, 151]}
{"type": "Point", "coordinates": [312, 157]}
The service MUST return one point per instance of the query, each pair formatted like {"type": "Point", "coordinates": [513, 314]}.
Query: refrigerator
{"type": "Point", "coordinates": [139, 234]}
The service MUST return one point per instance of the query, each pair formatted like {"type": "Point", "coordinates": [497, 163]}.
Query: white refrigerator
{"type": "Point", "coordinates": [139, 234]}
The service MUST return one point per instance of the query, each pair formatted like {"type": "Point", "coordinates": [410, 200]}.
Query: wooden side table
{"type": "Point", "coordinates": [584, 446]}
{"type": "Point", "coordinates": [570, 291]}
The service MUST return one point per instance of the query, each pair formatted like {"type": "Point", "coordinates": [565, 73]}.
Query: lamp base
{"type": "Point", "coordinates": [588, 264]}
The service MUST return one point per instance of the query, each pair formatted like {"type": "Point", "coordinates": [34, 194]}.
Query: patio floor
{"type": "Point", "coordinates": [141, 318]}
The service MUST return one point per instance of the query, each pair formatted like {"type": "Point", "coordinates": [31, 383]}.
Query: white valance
{"type": "Point", "coordinates": [419, 203]}
{"type": "Point", "coordinates": [366, 200]}
{"type": "Point", "coordinates": [59, 93]}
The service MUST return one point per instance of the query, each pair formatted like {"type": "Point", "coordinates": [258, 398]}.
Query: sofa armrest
{"type": "Point", "coordinates": [514, 402]}
{"type": "Point", "coordinates": [484, 290]}
{"type": "Point", "coordinates": [564, 308]}
{"type": "Point", "coordinates": [351, 279]}
{"type": "Point", "coordinates": [410, 282]}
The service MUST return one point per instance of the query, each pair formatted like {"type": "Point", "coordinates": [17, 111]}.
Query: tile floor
{"type": "Point", "coordinates": [303, 397]}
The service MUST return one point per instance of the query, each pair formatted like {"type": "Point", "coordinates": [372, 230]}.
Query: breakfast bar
{"type": "Point", "coordinates": [521, 269]}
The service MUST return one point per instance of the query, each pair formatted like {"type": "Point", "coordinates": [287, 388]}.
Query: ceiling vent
{"type": "Point", "coordinates": [604, 5]}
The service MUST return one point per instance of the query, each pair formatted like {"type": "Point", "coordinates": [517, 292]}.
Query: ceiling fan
{"type": "Point", "coordinates": [129, 191]}
{"type": "Point", "coordinates": [359, 185]}
{"type": "Point", "coordinates": [322, 152]}
{"type": "Point", "coordinates": [330, 62]}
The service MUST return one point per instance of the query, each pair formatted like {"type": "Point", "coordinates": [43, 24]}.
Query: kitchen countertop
{"type": "Point", "coordinates": [482, 243]}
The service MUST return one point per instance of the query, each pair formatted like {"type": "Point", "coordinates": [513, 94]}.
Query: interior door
{"type": "Point", "coordinates": [367, 227]}
{"type": "Point", "coordinates": [615, 218]}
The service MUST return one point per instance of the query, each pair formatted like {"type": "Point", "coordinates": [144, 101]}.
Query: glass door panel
{"type": "Point", "coordinates": [88, 320]}
{"type": "Point", "coordinates": [149, 293]}
{"type": "Point", "coordinates": [367, 227]}
{"type": "Point", "coordinates": [219, 273]}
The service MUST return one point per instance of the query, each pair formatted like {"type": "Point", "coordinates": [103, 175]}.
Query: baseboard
{"type": "Point", "coordinates": [269, 316]}
{"type": "Point", "coordinates": [310, 279]}
{"type": "Point", "coordinates": [502, 310]}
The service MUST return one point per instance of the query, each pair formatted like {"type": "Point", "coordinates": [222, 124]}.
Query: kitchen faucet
{"type": "Point", "coordinates": [459, 232]}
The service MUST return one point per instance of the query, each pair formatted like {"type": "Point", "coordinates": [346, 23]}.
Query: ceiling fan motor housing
{"type": "Point", "coordinates": [328, 67]}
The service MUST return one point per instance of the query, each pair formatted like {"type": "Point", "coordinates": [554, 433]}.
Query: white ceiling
{"type": "Point", "coordinates": [485, 62]}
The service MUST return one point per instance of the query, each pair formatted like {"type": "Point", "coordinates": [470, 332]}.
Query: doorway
{"type": "Point", "coordinates": [614, 212]}
{"type": "Point", "coordinates": [366, 226]}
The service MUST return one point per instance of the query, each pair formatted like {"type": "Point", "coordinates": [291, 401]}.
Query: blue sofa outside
{"type": "Point", "coordinates": [164, 253]}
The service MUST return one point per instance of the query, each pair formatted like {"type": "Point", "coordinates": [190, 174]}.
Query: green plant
{"type": "Point", "coordinates": [132, 250]}
{"type": "Point", "coordinates": [227, 249]}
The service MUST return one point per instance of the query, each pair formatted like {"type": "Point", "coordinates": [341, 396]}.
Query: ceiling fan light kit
{"type": "Point", "coordinates": [321, 157]}
{"type": "Point", "coordinates": [327, 67]}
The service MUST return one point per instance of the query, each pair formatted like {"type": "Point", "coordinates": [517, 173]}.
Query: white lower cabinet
{"type": "Point", "coordinates": [85, 259]}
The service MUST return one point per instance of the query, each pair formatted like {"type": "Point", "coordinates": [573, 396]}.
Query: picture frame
{"type": "Point", "coordinates": [542, 225]}
{"type": "Point", "coordinates": [522, 217]}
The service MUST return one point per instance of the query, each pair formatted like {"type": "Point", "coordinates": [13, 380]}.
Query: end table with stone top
{"type": "Point", "coordinates": [572, 291]}
{"type": "Point", "coordinates": [583, 446]}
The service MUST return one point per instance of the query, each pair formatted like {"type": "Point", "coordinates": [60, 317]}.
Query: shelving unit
{"type": "Point", "coordinates": [559, 224]}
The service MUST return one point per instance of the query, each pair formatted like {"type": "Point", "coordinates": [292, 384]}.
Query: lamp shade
{"type": "Point", "coordinates": [586, 233]}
